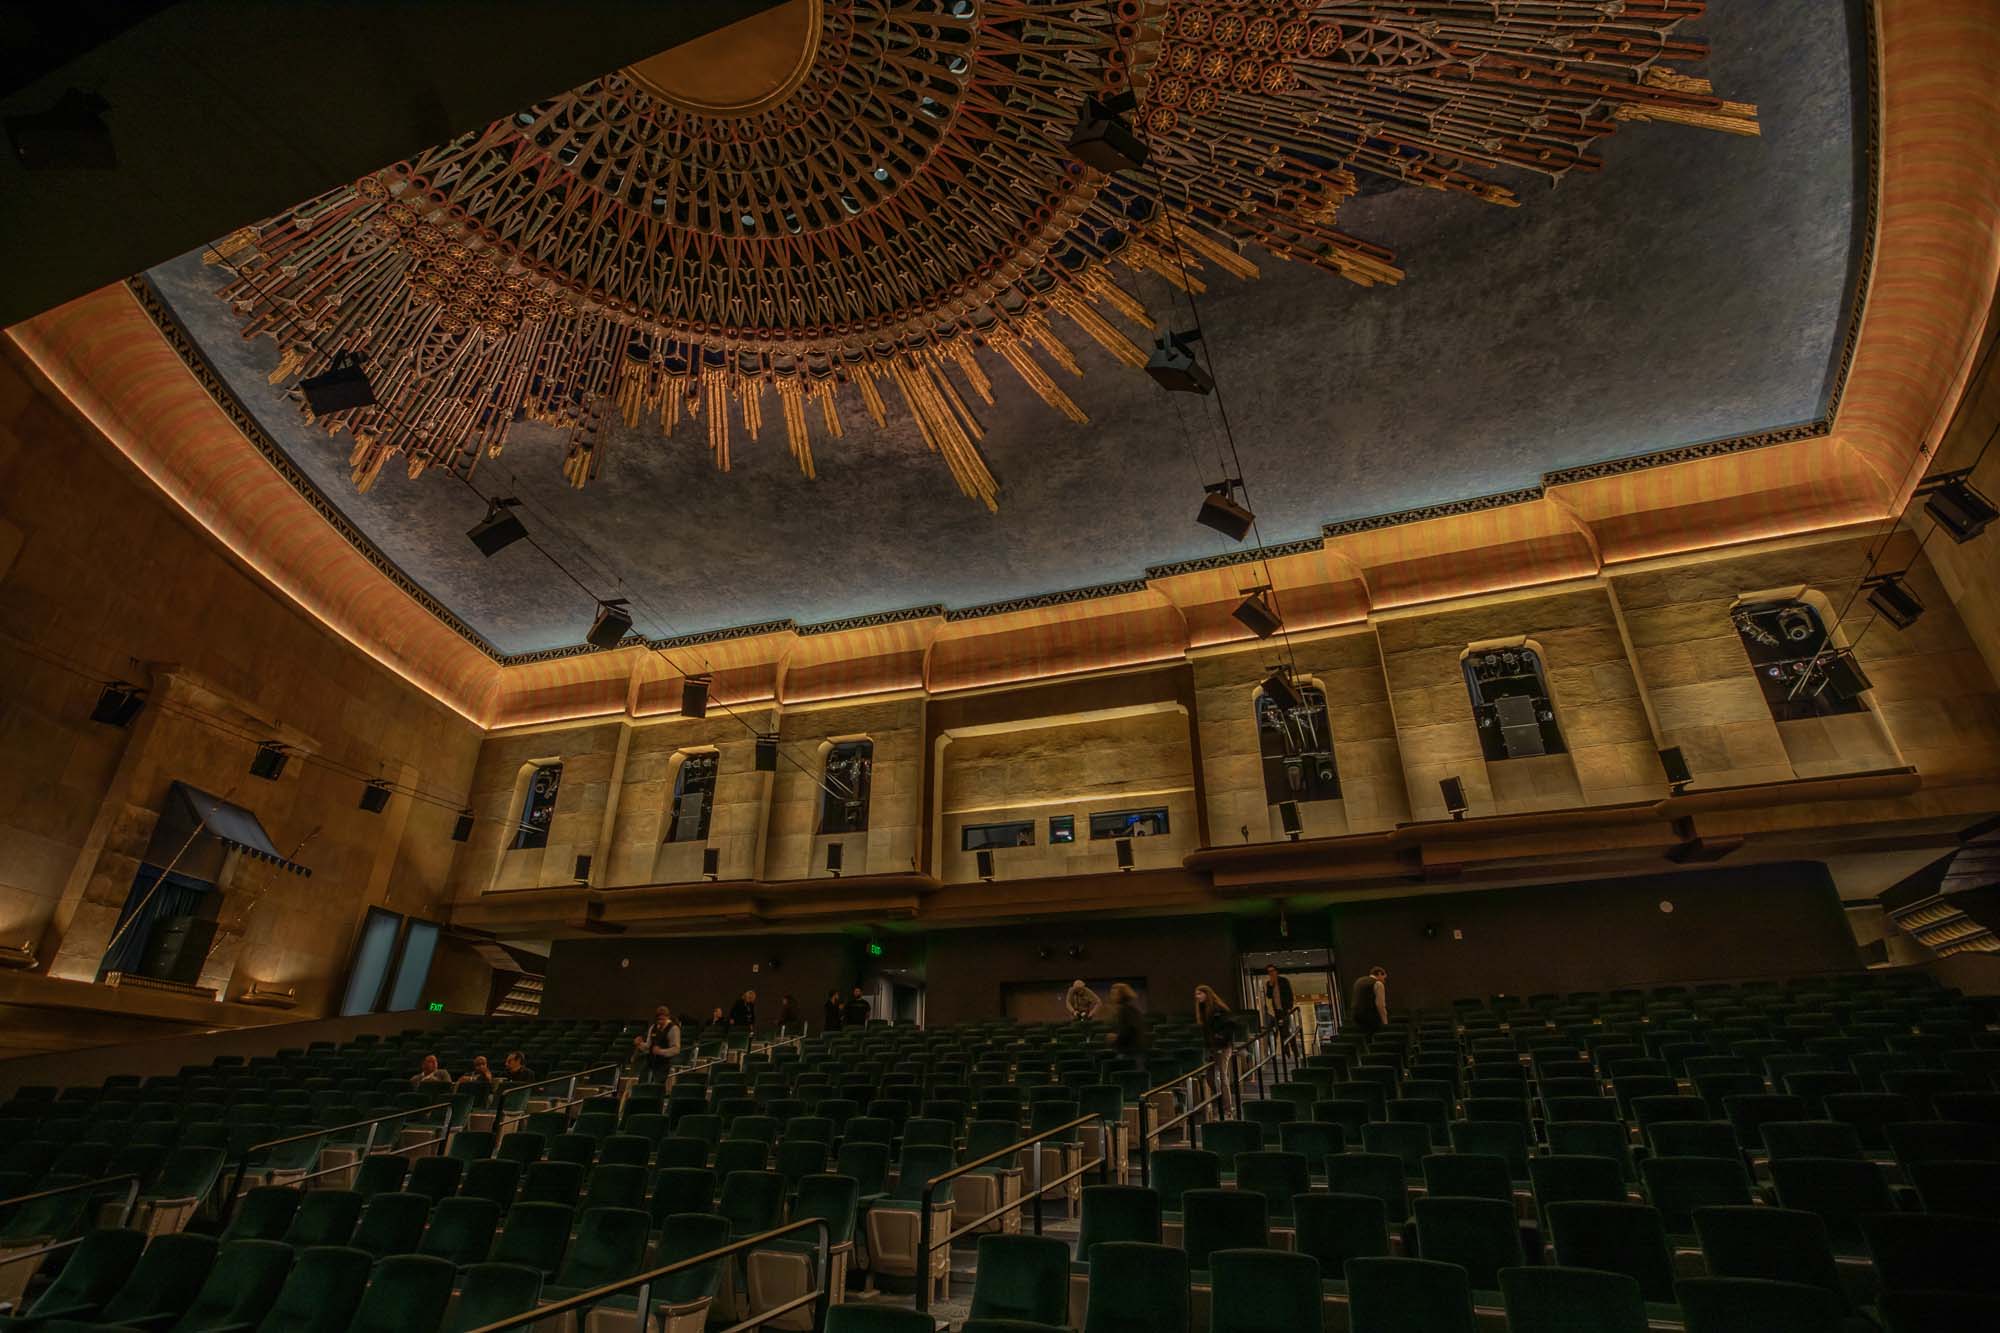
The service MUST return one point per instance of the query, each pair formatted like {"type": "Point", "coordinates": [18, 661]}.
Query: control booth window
{"type": "Point", "coordinates": [539, 807]}
{"type": "Point", "coordinates": [1791, 653]}
{"type": "Point", "coordinates": [1297, 747]}
{"type": "Point", "coordinates": [1014, 833]}
{"type": "Point", "coordinates": [1510, 702]}
{"type": "Point", "coordinates": [1062, 828]}
{"type": "Point", "coordinates": [844, 803]}
{"type": "Point", "coordinates": [1128, 824]}
{"type": "Point", "coordinates": [694, 798]}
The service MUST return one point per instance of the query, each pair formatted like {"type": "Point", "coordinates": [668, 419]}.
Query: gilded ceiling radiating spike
{"type": "Point", "coordinates": [619, 249]}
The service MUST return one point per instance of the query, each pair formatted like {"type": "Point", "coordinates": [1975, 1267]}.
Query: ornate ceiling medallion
{"type": "Point", "coordinates": [852, 199]}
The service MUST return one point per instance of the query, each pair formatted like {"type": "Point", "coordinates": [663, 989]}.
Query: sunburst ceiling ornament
{"type": "Point", "coordinates": [850, 200]}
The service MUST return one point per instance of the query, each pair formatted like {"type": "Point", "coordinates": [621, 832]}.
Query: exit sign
{"type": "Point", "coordinates": [437, 1006]}
{"type": "Point", "coordinates": [874, 949]}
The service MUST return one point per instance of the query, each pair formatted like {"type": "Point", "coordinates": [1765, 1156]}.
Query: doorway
{"type": "Point", "coordinates": [1315, 1000]}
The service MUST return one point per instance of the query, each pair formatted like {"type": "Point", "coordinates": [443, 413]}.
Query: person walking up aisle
{"type": "Point", "coordinates": [1218, 1038]}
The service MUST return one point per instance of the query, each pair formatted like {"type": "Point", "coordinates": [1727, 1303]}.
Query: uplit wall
{"type": "Point", "coordinates": [101, 577]}
{"type": "Point", "coordinates": [1640, 659]}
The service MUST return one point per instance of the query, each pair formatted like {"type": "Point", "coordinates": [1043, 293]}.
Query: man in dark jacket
{"type": "Point", "coordinates": [855, 1015]}
{"type": "Point", "coordinates": [1277, 1003]}
{"type": "Point", "coordinates": [743, 1014]}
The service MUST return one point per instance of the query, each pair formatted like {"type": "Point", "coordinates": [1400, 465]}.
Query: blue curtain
{"type": "Point", "coordinates": [177, 895]}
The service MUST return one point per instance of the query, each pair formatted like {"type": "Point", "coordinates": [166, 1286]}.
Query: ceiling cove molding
{"type": "Point", "coordinates": [245, 421]}
{"type": "Point", "coordinates": [1478, 504]}
{"type": "Point", "coordinates": [873, 619]}
{"type": "Point", "coordinates": [1048, 599]}
{"type": "Point", "coordinates": [1687, 453]}
{"type": "Point", "coordinates": [1871, 203]}
{"type": "Point", "coordinates": [1249, 555]}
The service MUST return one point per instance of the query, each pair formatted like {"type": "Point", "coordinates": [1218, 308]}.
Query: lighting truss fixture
{"type": "Point", "coordinates": [1256, 612]}
{"type": "Point", "coordinates": [1221, 511]}
{"type": "Point", "coordinates": [1278, 689]}
{"type": "Point", "coordinates": [1844, 676]}
{"type": "Point", "coordinates": [375, 796]}
{"type": "Point", "coordinates": [612, 624]}
{"type": "Point", "coordinates": [1893, 600]}
{"type": "Point", "coordinates": [1172, 364]}
{"type": "Point", "coordinates": [1958, 508]}
{"type": "Point", "coordinates": [1104, 138]}
{"type": "Point", "coordinates": [500, 528]}
{"type": "Point", "coordinates": [118, 704]}
{"type": "Point", "coordinates": [694, 696]}
{"type": "Point", "coordinates": [341, 388]}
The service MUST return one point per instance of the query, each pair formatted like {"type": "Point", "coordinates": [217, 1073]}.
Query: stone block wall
{"type": "Point", "coordinates": [101, 579]}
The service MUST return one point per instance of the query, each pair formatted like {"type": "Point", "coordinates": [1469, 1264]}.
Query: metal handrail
{"type": "Point", "coordinates": [129, 1179]}
{"type": "Point", "coordinates": [643, 1283]}
{"type": "Point", "coordinates": [926, 1201]}
{"type": "Point", "coordinates": [500, 1115]}
{"type": "Point", "coordinates": [1146, 1135]}
{"type": "Point", "coordinates": [242, 1163]}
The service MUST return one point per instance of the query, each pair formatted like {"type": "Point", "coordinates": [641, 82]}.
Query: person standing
{"type": "Point", "coordinates": [831, 1019]}
{"type": "Point", "coordinates": [788, 1015]}
{"type": "Point", "coordinates": [661, 1044]}
{"type": "Point", "coordinates": [854, 1013]}
{"type": "Point", "coordinates": [1218, 1038]}
{"type": "Point", "coordinates": [743, 1014]}
{"type": "Point", "coordinates": [1277, 1003]}
{"type": "Point", "coordinates": [1128, 1025]}
{"type": "Point", "coordinates": [1081, 1001]}
{"type": "Point", "coordinates": [1368, 1008]}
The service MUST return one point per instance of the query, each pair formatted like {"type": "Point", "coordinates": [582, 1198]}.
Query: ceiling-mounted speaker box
{"type": "Point", "coordinates": [1124, 853]}
{"type": "Point", "coordinates": [1454, 796]}
{"type": "Point", "coordinates": [834, 852]}
{"type": "Point", "coordinates": [985, 859]}
{"type": "Point", "coordinates": [694, 696]}
{"type": "Point", "coordinates": [711, 861]}
{"type": "Point", "coordinates": [269, 761]}
{"type": "Point", "coordinates": [1288, 816]}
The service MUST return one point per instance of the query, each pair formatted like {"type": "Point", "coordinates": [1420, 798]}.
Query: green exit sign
{"type": "Point", "coordinates": [437, 1006]}
{"type": "Point", "coordinates": [874, 949]}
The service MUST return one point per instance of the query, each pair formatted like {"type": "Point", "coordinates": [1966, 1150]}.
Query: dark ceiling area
{"type": "Point", "coordinates": [1698, 289]}
{"type": "Point", "coordinates": [202, 139]}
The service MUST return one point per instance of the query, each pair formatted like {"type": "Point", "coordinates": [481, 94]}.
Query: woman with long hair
{"type": "Point", "coordinates": [1218, 1038]}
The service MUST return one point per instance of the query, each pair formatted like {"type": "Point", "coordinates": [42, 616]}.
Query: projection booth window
{"type": "Point", "coordinates": [844, 804]}
{"type": "Point", "coordinates": [539, 807]}
{"type": "Point", "coordinates": [1297, 746]}
{"type": "Point", "coordinates": [1795, 660]}
{"type": "Point", "coordinates": [694, 798]}
{"type": "Point", "coordinates": [1510, 702]}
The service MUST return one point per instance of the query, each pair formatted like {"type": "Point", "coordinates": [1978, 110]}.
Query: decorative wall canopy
{"type": "Point", "coordinates": [843, 197]}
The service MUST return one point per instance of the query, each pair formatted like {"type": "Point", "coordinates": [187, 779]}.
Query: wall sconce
{"type": "Point", "coordinates": [270, 997]}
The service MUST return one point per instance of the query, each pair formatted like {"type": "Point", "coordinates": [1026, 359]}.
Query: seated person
{"type": "Point", "coordinates": [430, 1072]}
{"type": "Point", "coordinates": [514, 1069]}
{"type": "Point", "coordinates": [479, 1078]}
